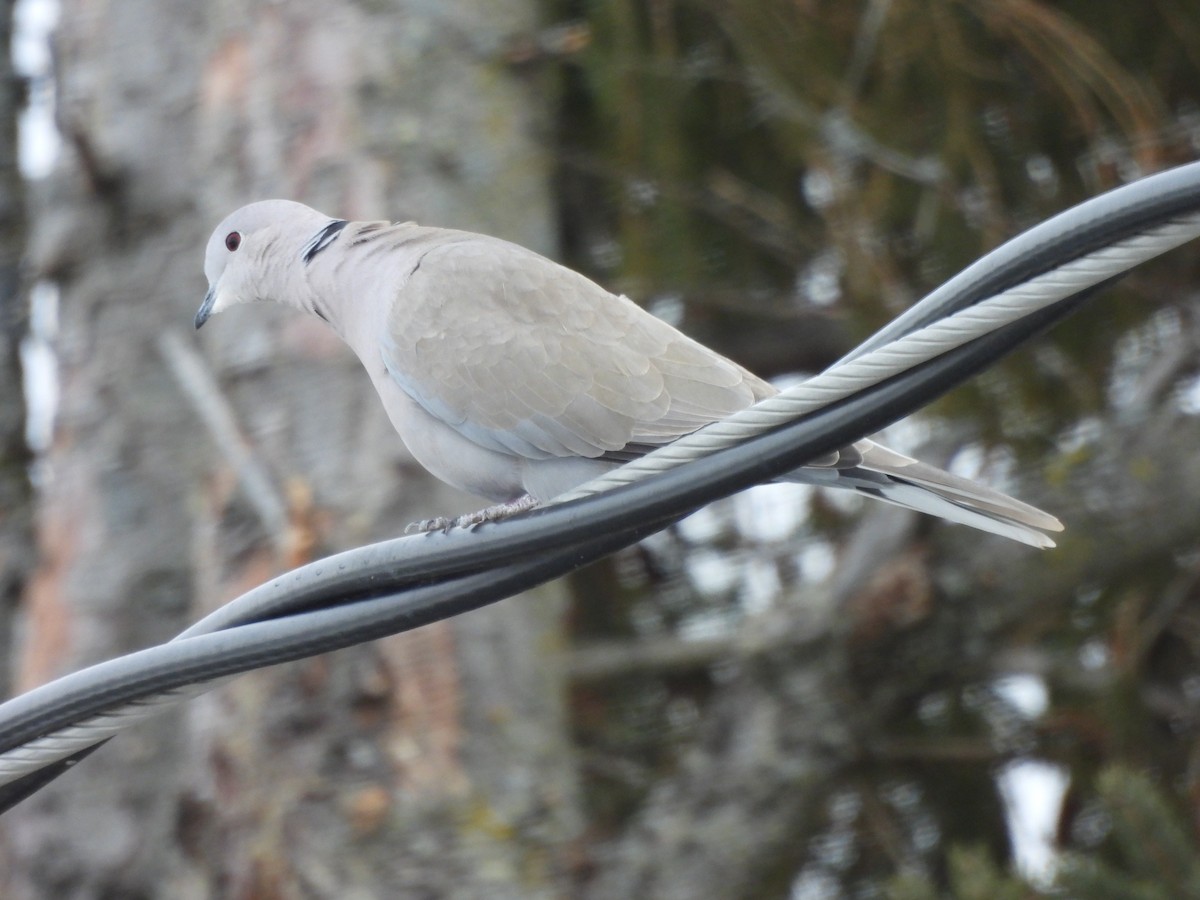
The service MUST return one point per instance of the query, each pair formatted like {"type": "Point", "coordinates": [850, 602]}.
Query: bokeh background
{"type": "Point", "coordinates": [790, 695]}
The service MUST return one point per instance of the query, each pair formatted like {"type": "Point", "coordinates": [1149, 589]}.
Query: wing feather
{"type": "Point", "coordinates": [524, 356]}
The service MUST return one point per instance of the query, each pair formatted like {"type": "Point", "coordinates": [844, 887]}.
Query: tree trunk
{"type": "Point", "coordinates": [16, 530]}
{"type": "Point", "coordinates": [431, 762]}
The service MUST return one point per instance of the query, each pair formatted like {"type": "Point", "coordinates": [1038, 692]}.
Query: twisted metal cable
{"type": "Point", "coordinates": [840, 381]}
{"type": "Point", "coordinates": [853, 375]}
{"type": "Point", "coordinates": [65, 742]}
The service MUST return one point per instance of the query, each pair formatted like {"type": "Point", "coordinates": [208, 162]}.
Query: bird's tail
{"type": "Point", "coordinates": [872, 469]}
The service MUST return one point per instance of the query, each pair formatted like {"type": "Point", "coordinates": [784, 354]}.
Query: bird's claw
{"type": "Point", "coordinates": [424, 526]}
{"type": "Point", "coordinates": [491, 514]}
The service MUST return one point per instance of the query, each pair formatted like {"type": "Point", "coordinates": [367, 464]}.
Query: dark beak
{"type": "Point", "coordinates": [206, 307]}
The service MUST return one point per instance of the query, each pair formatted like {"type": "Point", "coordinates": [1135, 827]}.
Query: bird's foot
{"type": "Point", "coordinates": [424, 526]}
{"type": "Point", "coordinates": [490, 514]}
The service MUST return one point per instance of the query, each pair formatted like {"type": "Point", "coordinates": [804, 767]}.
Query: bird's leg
{"type": "Point", "coordinates": [490, 514]}
{"type": "Point", "coordinates": [497, 513]}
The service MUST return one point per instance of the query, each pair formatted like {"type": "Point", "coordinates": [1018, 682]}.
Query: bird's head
{"type": "Point", "coordinates": [245, 248]}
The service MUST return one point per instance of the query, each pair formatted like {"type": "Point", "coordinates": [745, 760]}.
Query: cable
{"type": "Point", "coordinates": [862, 369]}
{"type": "Point", "coordinates": [401, 584]}
{"type": "Point", "coordinates": [1073, 233]}
{"type": "Point", "coordinates": [216, 654]}
{"type": "Point", "coordinates": [1084, 228]}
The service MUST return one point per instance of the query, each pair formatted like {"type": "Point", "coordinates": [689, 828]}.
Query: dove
{"type": "Point", "coordinates": [515, 378]}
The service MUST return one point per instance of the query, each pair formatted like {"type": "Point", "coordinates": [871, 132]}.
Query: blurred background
{"type": "Point", "coordinates": [789, 695]}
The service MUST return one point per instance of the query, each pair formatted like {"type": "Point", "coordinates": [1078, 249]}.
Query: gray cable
{"type": "Point", "coordinates": [852, 375]}
{"type": "Point", "coordinates": [842, 380]}
{"type": "Point", "coordinates": [50, 748]}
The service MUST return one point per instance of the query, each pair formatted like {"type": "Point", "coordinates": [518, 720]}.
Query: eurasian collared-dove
{"type": "Point", "coordinates": [512, 377]}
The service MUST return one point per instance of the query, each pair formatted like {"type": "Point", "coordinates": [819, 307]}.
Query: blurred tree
{"type": "Point", "coordinates": [1153, 849]}
{"type": "Point", "coordinates": [790, 175]}
{"type": "Point", "coordinates": [430, 765]}
{"type": "Point", "coordinates": [16, 527]}
{"type": "Point", "coordinates": [777, 698]}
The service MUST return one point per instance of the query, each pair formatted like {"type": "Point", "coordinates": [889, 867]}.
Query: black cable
{"type": "Point", "coordinates": [1097, 223]}
{"type": "Point", "coordinates": [17, 790]}
{"type": "Point", "coordinates": [398, 585]}
{"type": "Point", "coordinates": [158, 669]}
{"type": "Point", "coordinates": [599, 524]}
{"type": "Point", "coordinates": [1073, 233]}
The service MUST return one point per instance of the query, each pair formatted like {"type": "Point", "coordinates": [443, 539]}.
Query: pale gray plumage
{"type": "Point", "coordinates": [507, 374]}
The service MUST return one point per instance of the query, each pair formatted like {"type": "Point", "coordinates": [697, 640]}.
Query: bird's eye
{"type": "Point", "coordinates": [233, 240]}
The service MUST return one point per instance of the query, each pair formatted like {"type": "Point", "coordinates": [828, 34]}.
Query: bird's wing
{"type": "Point", "coordinates": [526, 357]}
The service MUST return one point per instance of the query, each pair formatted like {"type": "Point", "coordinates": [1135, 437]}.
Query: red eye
{"type": "Point", "coordinates": [233, 240]}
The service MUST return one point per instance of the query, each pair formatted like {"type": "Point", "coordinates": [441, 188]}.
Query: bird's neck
{"type": "Point", "coordinates": [334, 303]}
{"type": "Point", "coordinates": [301, 287]}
